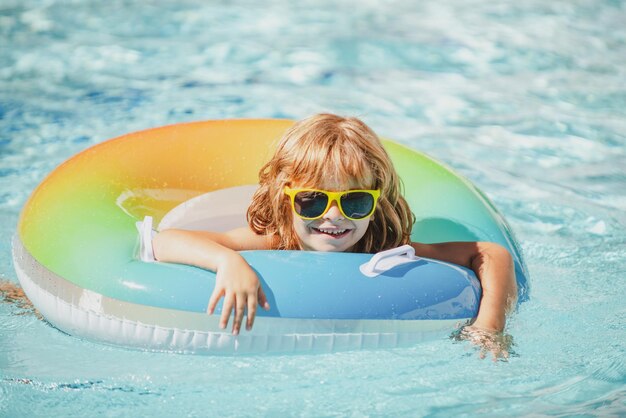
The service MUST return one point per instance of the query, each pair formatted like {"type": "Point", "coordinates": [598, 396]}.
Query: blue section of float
{"type": "Point", "coordinates": [418, 290]}
{"type": "Point", "coordinates": [317, 285]}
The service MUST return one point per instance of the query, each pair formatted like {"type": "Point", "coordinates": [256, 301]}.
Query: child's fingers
{"type": "Point", "coordinates": [240, 308]}
{"type": "Point", "coordinates": [251, 311]}
{"type": "Point", "coordinates": [215, 297]}
{"type": "Point", "coordinates": [263, 299]}
{"type": "Point", "coordinates": [227, 308]}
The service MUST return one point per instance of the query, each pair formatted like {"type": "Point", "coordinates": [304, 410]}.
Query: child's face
{"type": "Point", "coordinates": [331, 232]}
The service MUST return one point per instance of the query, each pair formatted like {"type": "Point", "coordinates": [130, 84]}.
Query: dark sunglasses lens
{"type": "Point", "coordinates": [357, 205]}
{"type": "Point", "coordinates": [310, 204]}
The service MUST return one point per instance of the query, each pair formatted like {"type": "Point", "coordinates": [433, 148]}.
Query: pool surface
{"type": "Point", "coordinates": [525, 99]}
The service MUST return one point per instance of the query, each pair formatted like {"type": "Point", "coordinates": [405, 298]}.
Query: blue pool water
{"type": "Point", "coordinates": [526, 99]}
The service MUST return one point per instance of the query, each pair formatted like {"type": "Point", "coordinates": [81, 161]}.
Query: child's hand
{"type": "Point", "coordinates": [498, 343]}
{"type": "Point", "coordinates": [241, 289]}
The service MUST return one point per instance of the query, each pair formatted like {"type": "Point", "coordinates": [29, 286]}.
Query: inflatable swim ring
{"type": "Point", "coordinates": [75, 251]}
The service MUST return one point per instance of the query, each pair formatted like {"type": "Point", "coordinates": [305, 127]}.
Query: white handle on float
{"type": "Point", "coordinates": [386, 260]}
{"type": "Point", "coordinates": [146, 253]}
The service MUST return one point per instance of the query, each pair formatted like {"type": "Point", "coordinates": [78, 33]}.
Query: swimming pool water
{"type": "Point", "coordinates": [526, 99]}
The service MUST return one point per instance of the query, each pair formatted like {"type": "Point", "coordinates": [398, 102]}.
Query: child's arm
{"type": "Point", "coordinates": [235, 279]}
{"type": "Point", "coordinates": [493, 266]}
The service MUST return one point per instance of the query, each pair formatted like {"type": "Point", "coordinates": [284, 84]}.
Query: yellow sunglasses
{"type": "Point", "coordinates": [312, 204]}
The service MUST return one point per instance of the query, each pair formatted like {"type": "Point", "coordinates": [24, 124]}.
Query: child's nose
{"type": "Point", "coordinates": [333, 212]}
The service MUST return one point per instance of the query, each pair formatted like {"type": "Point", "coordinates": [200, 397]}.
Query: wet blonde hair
{"type": "Point", "coordinates": [329, 146]}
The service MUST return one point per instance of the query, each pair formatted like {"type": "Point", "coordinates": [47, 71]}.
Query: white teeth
{"type": "Point", "coordinates": [332, 231]}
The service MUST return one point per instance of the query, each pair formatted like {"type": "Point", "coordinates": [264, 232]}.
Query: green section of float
{"type": "Point", "coordinates": [447, 207]}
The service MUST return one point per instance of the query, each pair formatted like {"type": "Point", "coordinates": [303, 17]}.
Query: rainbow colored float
{"type": "Point", "coordinates": [76, 245]}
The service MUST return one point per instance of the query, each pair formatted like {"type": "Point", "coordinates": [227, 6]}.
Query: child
{"type": "Point", "coordinates": [356, 206]}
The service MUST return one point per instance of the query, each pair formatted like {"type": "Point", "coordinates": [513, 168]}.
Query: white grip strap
{"type": "Point", "coordinates": [386, 260]}
{"type": "Point", "coordinates": [146, 253]}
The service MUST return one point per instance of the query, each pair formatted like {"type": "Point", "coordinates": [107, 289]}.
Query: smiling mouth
{"type": "Point", "coordinates": [335, 233]}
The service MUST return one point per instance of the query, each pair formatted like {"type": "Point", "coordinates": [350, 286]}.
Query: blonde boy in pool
{"type": "Point", "coordinates": [330, 186]}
